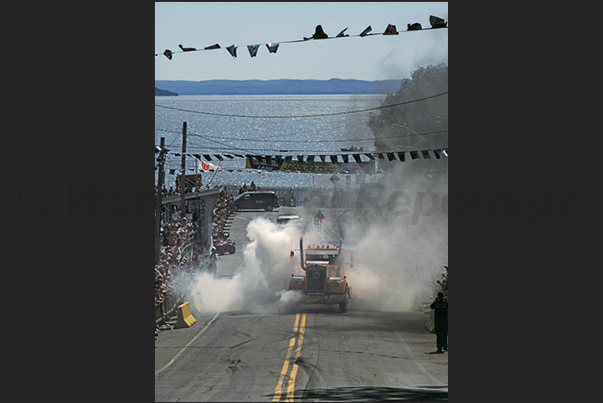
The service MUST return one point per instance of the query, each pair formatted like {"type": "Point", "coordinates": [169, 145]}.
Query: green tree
{"type": "Point", "coordinates": [406, 127]}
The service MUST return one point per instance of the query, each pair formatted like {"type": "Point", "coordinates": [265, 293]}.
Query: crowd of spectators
{"type": "Point", "coordinates": [222, 209]}
{"type": "Point", "coordinates": [165, 192]}
{"type": "Point", "coordinates": [180, 255]}
{"type": "Point", "coordinates": [172, 262]}
{"type": "Point", "coordinates": [176, 264]}
{"type": "Point", "coordinates": [251, 188]}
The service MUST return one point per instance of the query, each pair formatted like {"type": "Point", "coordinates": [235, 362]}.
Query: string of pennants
{"type": "Point", "coordinates": [310, 164]}
{"type": "Point", "coordinates": [436, 22]}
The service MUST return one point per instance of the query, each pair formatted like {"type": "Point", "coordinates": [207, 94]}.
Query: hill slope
{"type": "Point", "coordinates": [163, 92]}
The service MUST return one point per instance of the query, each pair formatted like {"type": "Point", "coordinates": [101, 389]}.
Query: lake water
{"type": "Point", "coordinates": [208, 134]}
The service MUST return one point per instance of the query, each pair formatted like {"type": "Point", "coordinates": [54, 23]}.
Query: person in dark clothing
{"type": "Point", "coordinates": [440, 318]}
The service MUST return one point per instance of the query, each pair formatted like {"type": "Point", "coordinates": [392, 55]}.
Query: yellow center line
{"type": "Point", "coordinates": [300, 341]}
{"type": "Point", "coordinates": [283, 375]}
{"type": "Point", "coordinates": [289, 380]}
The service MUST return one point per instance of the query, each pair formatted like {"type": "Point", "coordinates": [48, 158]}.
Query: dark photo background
{"type": "Point", "coordinates": [78, 310]}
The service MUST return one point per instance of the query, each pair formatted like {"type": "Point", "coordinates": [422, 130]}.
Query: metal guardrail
{"type": "Point", "coordinates": [165, 309]}
{"type": "Point", "coordinates": [186, 250]}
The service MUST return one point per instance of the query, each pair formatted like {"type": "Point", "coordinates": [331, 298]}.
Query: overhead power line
{"type": "Point", "coordinates": [302, 116]}
{"type": "Point", "coordinates": [302, 141]}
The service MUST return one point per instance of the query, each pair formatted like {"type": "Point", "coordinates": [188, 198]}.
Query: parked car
{"type": "Point", "coordinates": [256, 200]}
{"type": "Point", "coordinates": [285, 218]}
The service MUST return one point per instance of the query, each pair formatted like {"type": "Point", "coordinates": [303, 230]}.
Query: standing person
{"type": "Point", "coordinates": [440, 305]}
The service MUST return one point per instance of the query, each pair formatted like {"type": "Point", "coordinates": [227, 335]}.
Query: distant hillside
{"type": "Point", "coordinates": [163, 92]}
{"type": "Point", "coordinates": [280, 87]}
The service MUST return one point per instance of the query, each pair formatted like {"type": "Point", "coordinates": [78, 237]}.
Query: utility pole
{"type": "Point", "coordinates": [183, 177]}
{"type": "Point", "coordinates": [158, 207]}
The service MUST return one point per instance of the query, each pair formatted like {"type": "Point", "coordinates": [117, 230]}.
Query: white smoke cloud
{"type": "Point", "coordinates": [259, 286]}
{"type": "Point", "coordinates": [397, 257]}
{"type": "Point", "coordinates": [394, 262]}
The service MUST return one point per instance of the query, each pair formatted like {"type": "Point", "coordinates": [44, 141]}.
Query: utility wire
{"type": "Point", "coordinates": [306, 141]}
{"type": "Point", "coordinates": [303, 116]}
{"type": "Point", "coordinates": [299, 40]}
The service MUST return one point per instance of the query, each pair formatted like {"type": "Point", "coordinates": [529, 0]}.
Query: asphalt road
{"type": "Point", "coordinates": [312, 354]}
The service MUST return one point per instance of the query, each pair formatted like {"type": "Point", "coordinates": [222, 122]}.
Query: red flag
{"type": "Point", "coordinates": [207, 166]}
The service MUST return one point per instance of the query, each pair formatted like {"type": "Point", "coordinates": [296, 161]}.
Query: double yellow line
{"type": "Point", "coordinates": [286, 380]}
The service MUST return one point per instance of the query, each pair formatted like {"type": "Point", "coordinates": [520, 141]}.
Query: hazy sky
{"type": "Point", "coordinates": [376, 57]}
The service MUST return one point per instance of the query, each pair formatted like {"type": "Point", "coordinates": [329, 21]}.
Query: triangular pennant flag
{"type": "Point", "coordinates": [253, 49]}
{"type": "Point", "coordinates": [426, 155]}
{"type": "Point", "coordinates": [215, 46]}
{"type": "Point", "coordinates": [333, 159]}
{"type": "Point", "coordinates": [437, 22]}
{"type": "Point", "coordinates": [228, 156]}
{"type": "Point", "coordinates": [370, 157]}
{"type": "Point", "coordinates": [437, 153]}
{"type": "Point", "coordinates": [310, 159]}
{"type": "Point", "coordinates": [219, 157]}
{"type": "Point", "coordinates": [288, 159]}
{"type": "Point", "coordinates": [341, 34]}
{"type": "Point", "coordinates": [323, 157]}
{"type": "Point", "coordinates": [168, 54]}
{"type": "Point", "coordinates": [187, 49]}
{"type": "Point", "coordinates": [381, 157]}
{"type": "Point", "coordinates": [390, 30]}
{"type": "Point", "coordinates": [345, 158]}
{"type": "Point", "coordinates": [272, 47]}
{"type": "Point", "coordinates": [414, 155]}
{"type": "Point", "coordinates": [366, 31]}
{"type": "Point", "coordinates": [207, 157]}
{"type": "Point", "coordinates": [401, 156]}
{"type": "Point", "coordinates": [198, 156]}
{"type": "Point", "coordinates": [357, 158]}
{"type": "Point", "coordinates": [232, 49]}
{"type": "Point", "coordinates": [445, 152]}
{"type": "Point", "coordinates": [414, 27]}
{"type": "Point", "coordinates": [300, 158]}
{"type": "Point", "coordinates": [391, 156]}
{"type": "Point", "coordinates": [318, 34]}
